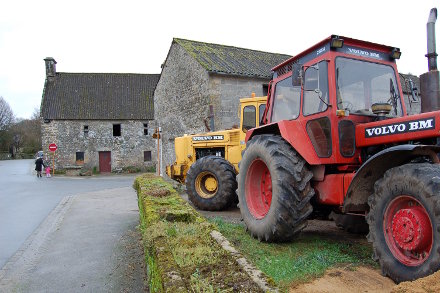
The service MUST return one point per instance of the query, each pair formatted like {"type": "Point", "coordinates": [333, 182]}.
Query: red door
{"type": "Point", "coordinates": [105, 162]}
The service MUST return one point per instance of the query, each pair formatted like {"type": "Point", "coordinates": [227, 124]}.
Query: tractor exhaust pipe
{"type": "Point", "coordinates": [430, 81]}
{"type": "Point", "coordinates": [430, 26]}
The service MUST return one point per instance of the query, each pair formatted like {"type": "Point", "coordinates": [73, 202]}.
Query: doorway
{"type": "Point", "coordinates": [105, 162]}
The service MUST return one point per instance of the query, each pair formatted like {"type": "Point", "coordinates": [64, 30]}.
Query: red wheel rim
{"type": "Point", "coordinates": [258, 188]}
{"type": "Point", "coordinates": [408, 230]}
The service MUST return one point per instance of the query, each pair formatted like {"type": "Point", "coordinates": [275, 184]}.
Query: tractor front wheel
{"type": "Point", "coordinates": [274, 189]}
{"type": "Point", "coordinates": [211, 183]}
{"type": "Point", "coordinates": [404, 221]}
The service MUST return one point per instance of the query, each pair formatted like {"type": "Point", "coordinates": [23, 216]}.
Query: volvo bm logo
{"type": "Point", "coordinates": [397, 128]}
{"type": "Point", "coordinates": [209, 137]}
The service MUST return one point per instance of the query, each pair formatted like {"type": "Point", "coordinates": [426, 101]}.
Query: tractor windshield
{"type": "Point", "coordinates": [361, 84]}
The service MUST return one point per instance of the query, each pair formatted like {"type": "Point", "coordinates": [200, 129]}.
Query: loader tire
{"type": "Point", "coordinates": [274, 189]}
{"type": "Point", "coordinates": [404, 220]}
{"type": "Point", "coordinates": [211, 183]}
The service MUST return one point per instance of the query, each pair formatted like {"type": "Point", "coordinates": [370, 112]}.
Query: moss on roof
{"type": "Point", "coordinates": [232, 60]}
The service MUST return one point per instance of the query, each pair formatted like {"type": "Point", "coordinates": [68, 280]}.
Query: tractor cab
{"type": "Point", "coordinates": [330, 88]}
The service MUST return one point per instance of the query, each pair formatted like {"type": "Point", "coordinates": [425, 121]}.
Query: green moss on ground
{"type": "Point", "coordinates": [180, 253]}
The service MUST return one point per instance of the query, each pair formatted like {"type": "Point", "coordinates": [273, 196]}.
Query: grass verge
{"type": "Point", "coordinates": [305, 259]}
{"type": "Point", "coordinates": [180, 253]}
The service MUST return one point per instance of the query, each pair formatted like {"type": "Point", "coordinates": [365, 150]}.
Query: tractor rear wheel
{"type": "Point", "coordinates": [274, 189]}
{"type": "Point", "coordinates": [211, 183]}
{"type": "Point", "coordinates": [404, 221]}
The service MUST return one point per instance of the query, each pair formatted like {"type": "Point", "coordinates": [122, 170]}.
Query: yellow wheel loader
{"type": "Point", "coordinates": [208, 162]}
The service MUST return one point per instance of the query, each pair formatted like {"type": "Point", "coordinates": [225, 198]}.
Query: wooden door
{"type": "Point", "coordinates": [105, 162]}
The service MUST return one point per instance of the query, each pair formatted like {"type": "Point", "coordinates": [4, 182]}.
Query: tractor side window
{"type": "Point", "coordinates": [286, 101]}
{"type": "Point", "coordinates": [261, 109]}
{"type": "Point", "coordinates": [315, 89]}
{"type": "Point", "coordinates": [347, 144]}
{"type": "Point", "coordinates": [319, 131]}
{"type": "Point", "coordinates": [249, 117]}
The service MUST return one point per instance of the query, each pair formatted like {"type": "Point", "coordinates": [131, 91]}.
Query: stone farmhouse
{"type": "Point", "coordinates": [198, 75]}
{"type": "Point", "coordinates": [98, 120]}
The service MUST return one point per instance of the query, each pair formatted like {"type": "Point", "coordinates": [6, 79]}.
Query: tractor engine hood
{"type": "Point", "coordinates": [400, 129]}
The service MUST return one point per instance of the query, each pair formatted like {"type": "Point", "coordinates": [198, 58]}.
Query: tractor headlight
{"type": "Point", "coordinates": [336, 42]}
{"type": "Point", "coordinates": [395, 53]}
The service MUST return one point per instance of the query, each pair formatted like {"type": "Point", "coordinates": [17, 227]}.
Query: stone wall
{"type": "Point", "coordinates": [181, 98]}
{"type": "Point", "coordinates": [126, 150]}
{"type": "Point", "coordinates": [228, 90]}
{"type": "Point", "coordinates": [184, 93]}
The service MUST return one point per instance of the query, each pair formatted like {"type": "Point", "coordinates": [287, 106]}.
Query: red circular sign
{"type": "Point", "coordinates": [52, 147]}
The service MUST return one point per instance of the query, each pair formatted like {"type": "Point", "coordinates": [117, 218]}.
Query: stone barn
{"type": "Point", "coordinates": [98, 120]}
{"type": "Point", "coordinates": [198, 75]}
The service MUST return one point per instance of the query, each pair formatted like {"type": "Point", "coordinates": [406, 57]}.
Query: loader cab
{"type": "Point", "coordinates": [251, 112]}
{"type": "Point", "coordinates": [324, 92]}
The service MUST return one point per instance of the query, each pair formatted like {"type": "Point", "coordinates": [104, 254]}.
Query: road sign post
{"type": "Point", "coordinates": [53, 147]}
{"type": "Point", "coordinates": [157, 134]}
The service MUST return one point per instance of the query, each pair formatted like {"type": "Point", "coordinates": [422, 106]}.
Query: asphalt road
{"type": "Point", "coordinates": [25, 200]}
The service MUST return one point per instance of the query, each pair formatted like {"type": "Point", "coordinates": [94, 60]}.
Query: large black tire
{"type": "Point", "coordinates": [351, 223]}
{"type": "Point", "coordinates": [270, 158]}
{"type": "Point", "coordinates": [215, 170]}
{"type": "Point", "coordinates": [404, 221]}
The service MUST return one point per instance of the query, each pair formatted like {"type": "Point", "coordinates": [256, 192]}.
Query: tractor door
{"type": "Point", "coordinates": [304, 123]}
{"type": "Point", "coordinates": [315, 108]}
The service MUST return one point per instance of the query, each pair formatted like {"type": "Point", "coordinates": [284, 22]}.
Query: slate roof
{"type": "Point", "coordinates": [99, 96]}
{"type": "Point", "coordinates": [230, 60]}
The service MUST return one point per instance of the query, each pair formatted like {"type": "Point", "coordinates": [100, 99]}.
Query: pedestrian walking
{"type": "Point", "coordinates": [39, 164]}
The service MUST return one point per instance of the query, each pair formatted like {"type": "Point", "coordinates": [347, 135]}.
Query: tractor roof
{"type": "Point", "coordinates": [347, 41]}
{"type": "Point", "coordinates": [253, 99]}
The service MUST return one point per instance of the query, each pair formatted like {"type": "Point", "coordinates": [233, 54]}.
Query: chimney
{"type": "Point", "coordinates": [51, 68]}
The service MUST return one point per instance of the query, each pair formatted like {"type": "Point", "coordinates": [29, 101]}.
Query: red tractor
{"type": "Point", "coordinates": [337, 137]}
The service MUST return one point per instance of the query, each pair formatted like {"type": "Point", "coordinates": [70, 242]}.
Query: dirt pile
{"type": "Point", "coordinates": [430, 283]}
{"type": "Point", "coordinates": [347, 280]}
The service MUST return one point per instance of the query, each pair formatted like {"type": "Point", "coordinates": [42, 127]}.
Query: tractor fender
{"type": "Point", "coordinates": [362, 185]}
{"type": "Point", "coordinates": [294, 133]}
{"type": "Point", "coordinates": [272, 128]}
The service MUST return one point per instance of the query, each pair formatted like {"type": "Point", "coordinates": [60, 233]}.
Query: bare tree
{"type": "Point", "coordinates": [6, 115]}
{"type": "Point", "coordinates": [35, 114]}
{"type": "Point", "coordinates": [27, 134]}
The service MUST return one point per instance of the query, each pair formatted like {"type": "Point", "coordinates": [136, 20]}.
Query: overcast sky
{"type": "Point", "coordinates": [135, 36]}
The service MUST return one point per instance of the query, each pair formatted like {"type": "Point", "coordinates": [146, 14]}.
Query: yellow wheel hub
{"type": "Point", "coordinates": [206, 184]}
{"type": "Point", "coordinates": [210, 184]}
